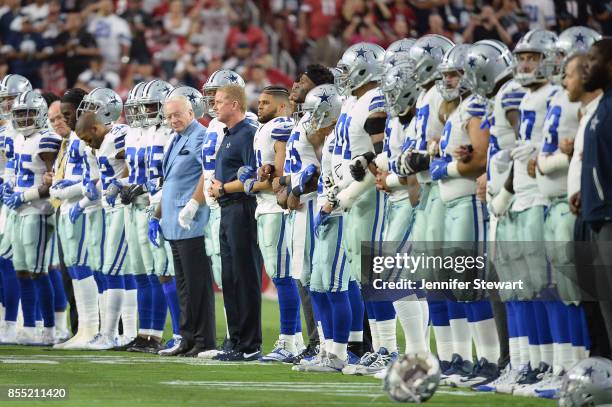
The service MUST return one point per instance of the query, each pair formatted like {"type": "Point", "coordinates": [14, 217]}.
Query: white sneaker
{"type": "Point", "coordinates": [80, 340]}
{"type": "Point", "coordinates": [28, 336]}
{"type": "Point", "coordinates": [507, 385]}
{"type": "Point", "coordinates": [304, 363]}
{"type": "Point", "coordinates": [48, 337]}
{"type": "Point", "coordinates": [62, 335]}
{"type": "Point", "coordinates": [279, 352]}
{"type": "Point", "coordinates": [123, 340]}
{"type": "Point", "coordinates": [507, 375]}
{"type": "Point", "coordinates": [9, 335]}
{"type": "Point", "coordinates": [101, 342]}
{"type": "Point", "coordinates": [382, 374]}
{"type": "Point", "coordinates": [330, 364]}
{"type": "Point", "coordinates": [366, 360]}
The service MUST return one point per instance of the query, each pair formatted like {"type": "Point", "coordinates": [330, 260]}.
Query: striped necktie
{"type": "Point", "coordinates": [61, 168]}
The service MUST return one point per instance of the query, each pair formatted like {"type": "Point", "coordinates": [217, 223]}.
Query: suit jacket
{"type": "Point", "coordinates": [182, 168]}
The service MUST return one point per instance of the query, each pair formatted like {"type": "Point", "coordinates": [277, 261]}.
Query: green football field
{"type": "Point", "coordinates": [127, 379]}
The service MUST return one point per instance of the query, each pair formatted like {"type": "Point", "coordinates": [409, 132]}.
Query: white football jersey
{"type": "Point", "coordinates": [501, 132]}
{"type": "Point", "coordinates": [326, 170]}
{"type": "Point", "coordinates": [111, 32]}
{"type": "Point", "coordinates": [397, 134]}
{"type": "Point", "coordinates": [74, 166]}
{"type": "Point", "coordinates": [427, 123]}
{"type": "Point", "coordinates": [455, 134]}
{"type": "Point", "coordinates": [92, 173]}
{"type": "Point", "coordinates": [109, 165]}
{"type": "Point", "coordinates": [533, 110]}
{"type": "Point", "coordinates": [277, 129]}
{"type": "Point", "coordinates": [7, 141]}
{"type": "Point", "coordinates": [156, 140]}
{"type": "Point", "coordinates": [299, 154]}
{"type": "Point", "coordinates": [212, 141]}
{"type": "Point", "coordinates": [30, 167]}
{"type": "Point", "coordinates": [350, 133]}
{"type": "Point", "coordinates": [561, 122]}
{"type": "Point", "coordinates": [337, 157]}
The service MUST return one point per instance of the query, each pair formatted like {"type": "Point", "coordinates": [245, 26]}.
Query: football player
{"type": "Point", "coordinates": [35, 151]}
{"type": "Point", "coordinates": [11, 87]}
{"type": "Point", "coordinates": [96, 128]}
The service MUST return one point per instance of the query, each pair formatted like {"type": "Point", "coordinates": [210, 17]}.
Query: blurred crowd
{"type": "Point", "coordinates": [64, 43]}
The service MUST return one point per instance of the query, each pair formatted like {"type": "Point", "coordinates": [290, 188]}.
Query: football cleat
{"type": "Point", "coordinates": [384, 359]}
{"type": "Point", "coordinates": [539, 376]}
{"type": "Point", "coordinates": [459, 369]}
{"type": "Point", "coordinates": [309, 352]}
{"type": "Point", "coordinates": [310, 361]}
{"type": "Point", "coordinates": [329, 364]}
{"type": "Point", "coordinates": [48, 337]}
{"type": "Point", "coordinates": [172, 345]}
{"type": "Point", "coordinates": [484, 372]}
{"type": "Point", "coordinates": [366, 360]}
{"type": "Point", "coordinates": [507, 376]}
{"type": "Point", "coordinates": [28, 336]}
{"type": "Point", "coordinates": [237, 356]}
{"type": "Point", "coordinates": [512, 380]}
{"type": "Point", "coordinates": [102, 342]}
{"type": "Point", "coordinates": [279, 353]}
{"type": "Point", "coordinates": [9, 334]}
{"type": "Point", "coordinates": [412, 378]}
{"type": "Point", "coordinates": [210, 354]}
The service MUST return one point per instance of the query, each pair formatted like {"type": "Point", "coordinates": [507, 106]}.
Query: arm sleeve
{"type": "Point", "coordinates": [49, 143]}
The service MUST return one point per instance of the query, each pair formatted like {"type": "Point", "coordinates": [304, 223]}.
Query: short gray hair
{"type": "Point", "coordinates": [180, 99]}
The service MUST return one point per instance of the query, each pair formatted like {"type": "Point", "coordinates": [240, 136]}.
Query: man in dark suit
{"type": "Point", "coordinates": [182, 168]}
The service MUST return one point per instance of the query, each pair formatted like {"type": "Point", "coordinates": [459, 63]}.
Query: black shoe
{"type": "Point", "coordinates": [155, 346]}
{"type": "Point", "coordinates": [238, 356]}
{"type": "Point", "coordinates": [143, 345]}
{"type": "Point", "coordinates": [193, 352]}
{"type": "Point", "coordinates": [179, 349]}
{"type": "Point", "coordinates": [138, 341]}
{"type": "Point", "coordinates": [310, 351]}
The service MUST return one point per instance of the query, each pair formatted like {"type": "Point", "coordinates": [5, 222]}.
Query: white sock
{"type": "Point", "coordinates": [535, 356]}
{"type": "Point", "coordinates": [154, 333]}
{"type": "Point", "coordinates": [580, 353]}
{"type": "Point", "coordinates": [410, 315]}
{"type": "Point", "coordinates": [547, 353]}
{"type": "Point", "coordinates": [487, 343]}
{"type": "Point", "coordinates": [328, 345]}
{"type": "Point", "coordinates": [61, 322]}
{"type": "Point", "coordinates": [49, 331]}
{"type": "Point", "coordinates": [89, 315]}
{"type": "Point", "coordinates": [356, 336]}
{"type": "Point", "coordinates": [102, 299]}
{"type": "Point", "coordinates": [2, 310]}
{"type": "Point", "coordinates": [374, 333]}
{"type": "Point", "coordinates": [39, 325]}
{"type": "Point", "coordinates": [321, 336]}
{"type": "Point", "coordinates": [19, 315]}
{"type": "Point", "coordinates": [78, 298]}
{"type": "Point", "coordinates": [387, 334]}
{"type": "Point", "coordinates": [128, 313]}
{"type": "Point", "coordinates": [524, 349]}
{"type": "Point", "coordinates": [564, 355]}
{"type": "Point", "coordinates": [144, 332]}
{"type": "Point", "coordinates": [10, 329]}
{"type": "Point", "coordinates": [114, 303]}
{"type": "Point", "coordinates": [289, 341]}
{"type": "Point", "coordinates": [444, 342]}
{"type": "Point", "coordinates": [339, 349]}
{"type": "Point", "coordinates": [462, 341]}
{"type": "Point", "coordinates": [425, 319]}
{"type": "Point", "coordinates": [299, 341]}
{"type": "Point", "coordinates": [515, 353]}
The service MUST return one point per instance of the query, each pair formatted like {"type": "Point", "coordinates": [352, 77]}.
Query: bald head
{"type": "Point", "coordinates": [56, 118]}
{"type": "Point", "coordinates": [90, 129]}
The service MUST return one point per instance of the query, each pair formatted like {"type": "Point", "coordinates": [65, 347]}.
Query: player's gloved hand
{"type": "Point", "coordinates": [523, 152]}
{"type": "Point", "coordinates": [410, 162]}
{"type": "Point", "coordinates": [129, 194]}
{"type": "Point", "coordinates": [91, 191]}
{"type": "Point", "coordinates": [328, 181]}
{"type": "Point", "coordinates": [438, 169]}
{"type": "Point", "coordinates": [245, 172]}
{"type": "Point", "coordinates": [15, 200]}
{"type": "Point", "coordinates": [500, 161]}
{"type": "Point", "coordinates": [154, 230]}
{"type": "Point", "coordinates": [187, 214]}
{"type": "Point", "coordinates": [332, 195]}
{"type": "Point", "coordinates": [61, 184]}
{"type": "Point", "coordinates": [75, 212]}
{"type": "Point", "coordinates": [150, 211]}
{"type": "Point", "coordinates": [248, 186]}
{"type": "Point", "coordinates": [320, 220]}
{"type": "Point", "coordinates": [359, 165]}
{"type": "Point", "coordinates": [112, 190]}
{"type": "Point", "coordinates": [7, 191]}
{"type": "Point", "coordinates": [153, 186]}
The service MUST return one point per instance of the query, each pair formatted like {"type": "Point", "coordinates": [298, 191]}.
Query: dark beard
{"type": "Point", "coordinates": [597, 80]}
{"type": "Point", "coordinates": [266, 119]}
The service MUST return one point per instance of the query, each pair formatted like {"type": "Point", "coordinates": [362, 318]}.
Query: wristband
{"type": "Point", "coordinates": [31, 194]}
{"type": "Point", "coordinates": [452, 171]}
{"type": "Point", "coordinates": [393, 180]}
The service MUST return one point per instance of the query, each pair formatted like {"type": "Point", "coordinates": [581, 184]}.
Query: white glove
{"type": "Point", "coordinates": [382, 161]}
{"type": "Point", "coordinates": [523, 152]}
{"type": "Point", "coordinates": [187, 214]}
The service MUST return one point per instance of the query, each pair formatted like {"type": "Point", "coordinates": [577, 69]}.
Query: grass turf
{"type": "Point", "coordinates": [128, 379]}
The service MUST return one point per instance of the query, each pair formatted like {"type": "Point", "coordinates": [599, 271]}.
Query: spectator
{"type": "Point", "coordinates": [215, 26]}
{"type": "Point", "coordinates": [4, 67]}
{"type": "Point", "coordinates": [258, 80]}
{"type": "Point", "coordinates": [52, 26]}
{"type": "Point", "coordinates": [246, 33]}
{"type": "Point", "coordinates": [401, 11]}
{"type": "Point", "coordinates": [76, 47]}
{"type": "Point", "coordinates": [399, 30]}
{"type": "Point", "coordinates": [363, 31]}
{"type": "Point", "coordinates": [316, 17]}
{"type": "Point", "coordinates": [11, 12]}
{"type": "Point", "coordinates": [327, 50]}
{"type": "Point", "coordinates": [25, 50]}
{"type": "Point", "coordinates": [112, 34]}
{"type": "Point", "coordinates": [175, 22]}
{"type": "Point", "coordinates": [541, 13]}
{"type": "Point", "coordinates": [458, 16]}
{"type": "Point", "coordinates": [138, 21]}
{"type": "Point", "coordinates": [422, 10]}
{"type": "Point", "coordinates": [522, 26]}
{"type": "Point", "coordinates": [486, 27]}
{"type": "Point", "coordinates": [96, 77]}
{"type": "Point", "coordinates": [507, 16]}
{"type": "Point", "coordinates": [436, 26]}
{"type": "Point", "coordinates": [240, 58]}
{"type": "Point", "coordinates": [36, 13]}
{"type": "Point", "coordinates": [602, 15]}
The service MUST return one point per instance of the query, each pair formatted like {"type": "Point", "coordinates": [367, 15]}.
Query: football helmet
{"type": "Point", "coordinates": [576, 40]}
{"type": "Point", "coordinates": [486, 64]}
{"type": "Point", "coordinates": [11, 86]}
{"type": "Point", "coordinates": [322, 105]}
{"type": "Point", "coordinates": [131, 108]}
{"type": "Point", "coordinates": [400, 90]}
{"type": "Point", "coordinates": [425, 56]}
{"type": "Point", "coordinates": [587, 383]}
{"type": "Point", "coordinates": [542, 42]}
{"type": "Point", "coordinates": [361, 63]}
{"type": "Point", "coordinates": [412, 378]}
{"type": "Point", "coordinates": [453, 61]}
{"type": "Point", "coordinates": [152, 102]}
{"type": "Point", "coordinates": [29, 112]}
{"type": "Point", "coordinates": [104, 102]}
{"type": "Point", "coordinates": [218, 78]}
{"type": "Point", "coordinates": [397, 53]}
{"type": "Point", "coordinates": [193, 96]}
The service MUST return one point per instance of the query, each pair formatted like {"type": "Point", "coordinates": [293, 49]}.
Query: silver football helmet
{"type": "Point", "coordinates": [361, 63]}
{"type": "Point", "coordinates": [11, 86]}
{"type": "Point", "coordinates": [542, 42]}
{"type": "Point", "coordinates": [576, 40]}
{"type": "Point", "coordinates": [453, 61]}
{"type": "Point", "coordinates": [400, 90]}
{"type": "Point", "coordinates": [397, 53]}
{"type": "Point", "coordinates": [29, 112]}
{"type": "Point", "coordinates": [425, 56]}
{"type": "Point", "coordinates": [131, 107]}
{"type": "Point", "coordinates": [412, 378]}
{"type": "Point", "coordinates": [322, 105]}
{"type": "Point", "coordinates": [219, 78]}
{"type": "Point", "coordinates": [193, 96]}
{"type": "Point", "coordinates": [587, 383]}
{"type": "Point", "coordinates": [486, 64]}
{"type": "Point", "coordinates": [152, 102]}
{"type": "Point", "coordinates": [104, 102]}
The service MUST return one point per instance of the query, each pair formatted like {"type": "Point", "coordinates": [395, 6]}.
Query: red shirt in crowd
{"type": "Point", "coordinates": [321, 14]}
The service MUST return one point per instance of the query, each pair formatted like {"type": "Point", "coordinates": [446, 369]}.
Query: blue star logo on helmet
{"type": "Point", "coordinates": [428, 48]}
{"type": "Point", "coordinates": [192, 97]}
{"type": "Point", "coordinates": [113, 101]}
{"type": "Point", "coordinates": [472, 62]}
{"type": "Point", "coordinates": [392, 62]}
{"type": "Point", "coordinates": [166, 89]}
{"type": "Point", "coordinates": [232, 78]}
{"type": "Point", "coordinates": [324, 97]}
{"type": "Point", "coordinates": [579, 38]}
{"type": "Point", "coordinates": [589, 371]}
{"type": "Point", "coordinates": [361, 53]}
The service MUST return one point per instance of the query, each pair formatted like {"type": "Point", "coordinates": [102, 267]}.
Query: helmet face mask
{"type": "Point", "coordinates": [151, 102]}
{"type": "Point", "coordinates": [131, 108]}
{"type": "Point", "coordinates": [529, 67]}
{"type": "Point", "coordinates": [400, 90]}
{"type": "Point", "coordinates": [29, 113]}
